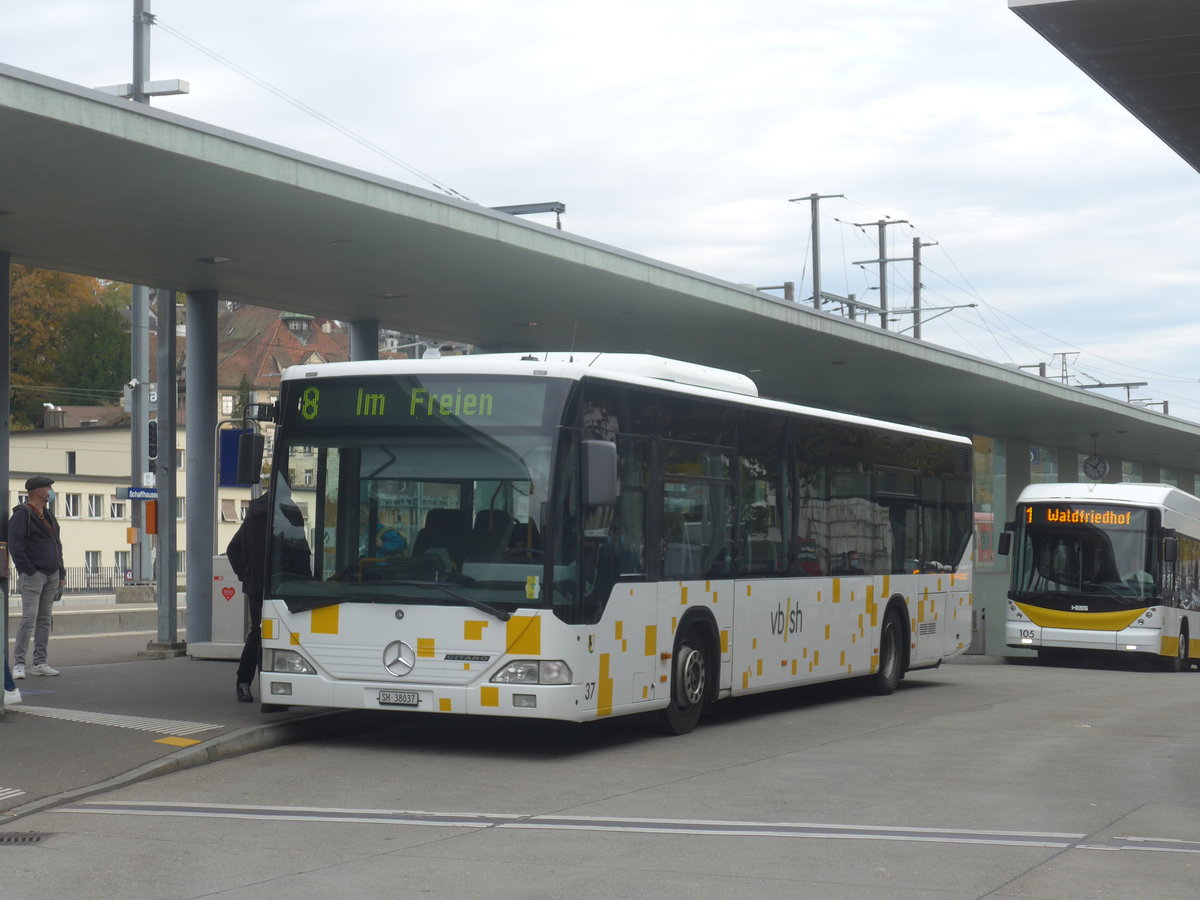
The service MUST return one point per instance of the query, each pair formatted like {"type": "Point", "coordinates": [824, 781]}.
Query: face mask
{"type": "Point", "coordinates": [52, 496]}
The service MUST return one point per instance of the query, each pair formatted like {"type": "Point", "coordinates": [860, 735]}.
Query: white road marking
{"type": "Point", "coordinates": [1050, 839]}
{"type": "Point", "coordinates": [138, 723]}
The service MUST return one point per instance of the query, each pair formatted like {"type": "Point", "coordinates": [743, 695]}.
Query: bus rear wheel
{"type": "Point", "coordinates": [891, 655]}
{"type": "Point", "coordinates": [689, 683]}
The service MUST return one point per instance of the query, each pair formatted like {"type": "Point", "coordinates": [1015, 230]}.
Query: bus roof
{"type": "Point", "coordinates": [642, 369]}
{"type": "Point", "coordinates": [1163, 496]}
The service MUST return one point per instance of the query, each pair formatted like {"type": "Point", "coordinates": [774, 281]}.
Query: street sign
{"type": "Point", "coordinates": [141, 493]}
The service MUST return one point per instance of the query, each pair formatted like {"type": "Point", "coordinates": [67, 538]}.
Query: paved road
{"type": "Point", "coordinates": [977, 780]}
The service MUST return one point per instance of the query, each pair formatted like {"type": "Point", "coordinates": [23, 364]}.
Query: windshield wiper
{"type": "Point", "coordinates": [501, 614]}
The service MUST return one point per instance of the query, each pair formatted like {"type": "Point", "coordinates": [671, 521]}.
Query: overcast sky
{"type": "Point", "coordinates": [680, 129]}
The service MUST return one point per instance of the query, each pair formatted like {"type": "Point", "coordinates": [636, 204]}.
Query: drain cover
{"type": "Point", "coordinates": [23, 837]}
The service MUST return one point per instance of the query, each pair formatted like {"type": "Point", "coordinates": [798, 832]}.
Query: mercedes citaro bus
{"type": "Point", "coordinates": [576, 536]}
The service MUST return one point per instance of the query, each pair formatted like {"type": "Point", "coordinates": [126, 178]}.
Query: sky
{"type": "Point", "coordinates": [682, 129]}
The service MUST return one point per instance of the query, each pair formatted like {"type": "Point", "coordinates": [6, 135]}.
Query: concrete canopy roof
{"type": "Point", "coordinates": [105, 187]}
{"type": "Point", "coordinates": [1145, 53]}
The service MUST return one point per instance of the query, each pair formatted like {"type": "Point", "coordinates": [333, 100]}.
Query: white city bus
{"type": "Point", "coordinates": [578, 536]}
{"type": "Point", "coordinates": [1111, 567]}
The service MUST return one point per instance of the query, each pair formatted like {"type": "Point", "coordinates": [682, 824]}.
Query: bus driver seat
{"type": "Point", "coordinates": [490, 535]}
{"type": "Point", "coordinates": [442, 537]}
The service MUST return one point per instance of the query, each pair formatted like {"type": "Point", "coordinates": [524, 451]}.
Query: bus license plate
{"type": "Point", "coordinates": [399, 698]}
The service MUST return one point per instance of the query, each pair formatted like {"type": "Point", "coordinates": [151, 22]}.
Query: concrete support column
{"type": "Point", "coordinates": [201, 465]}
{"type": "Point", "coordinates": [992, 593]}
{"type": "Point", "coordinates": [5, 415]}
{"type": "Point", "coordinates": [1150, 473]}
{"type": "Point", "coordinates": [364, 340]}
{"type": "Point", "coordinates": [167, 642]}
{"type": "Point", "coordinates": [1068, 465]}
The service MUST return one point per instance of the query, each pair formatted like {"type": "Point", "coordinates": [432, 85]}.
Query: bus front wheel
{"type": "Point", "coordinates": [689, 683]}
{"type": "Point", "coordinates": [1179, 661]}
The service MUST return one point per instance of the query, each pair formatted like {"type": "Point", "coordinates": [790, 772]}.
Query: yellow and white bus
{"type": "Point", "coordinates": [576, 536]}
{"type": "Point", "coordinates": [1111, 567]}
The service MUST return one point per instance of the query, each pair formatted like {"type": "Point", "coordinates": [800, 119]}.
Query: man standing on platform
{"type": "Point", "coordinates": [247, 553]}
{"type": "Point", "coordinates": [35, 546]}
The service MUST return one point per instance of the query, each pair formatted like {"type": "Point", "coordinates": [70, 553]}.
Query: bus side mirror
{"type": "Point", "coordinates": [250, 457]}
{"type": "Point", "coordinates": [261, 412]}
{"type": "Point", "coordinates": [600, 483]}
{"type": "Point", "coordinates": [1004, 544]}
{"type": "Point", "coordinates": [1171, 550]}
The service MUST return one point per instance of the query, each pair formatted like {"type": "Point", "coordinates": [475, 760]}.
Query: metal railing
{"type": "Point", "coordinates": [82, 580]}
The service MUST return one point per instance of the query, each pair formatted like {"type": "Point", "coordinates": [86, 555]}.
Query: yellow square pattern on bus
{"type": "Point", "coordinates": [524, 635]}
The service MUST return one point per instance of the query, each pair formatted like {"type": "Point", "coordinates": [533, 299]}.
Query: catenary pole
{"type": "Point", "coordinates": [882, 261]}
{"type": "Point", "coordinates": [140, 90]}
{"type": "Point", "coordinates": [139, 413]}
{"type": "Point", "coordinates": [815, 200]}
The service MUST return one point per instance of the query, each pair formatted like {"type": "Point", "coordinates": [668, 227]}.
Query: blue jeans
{"type": "Point", "coordinates": [9, 684]}
{"type": "Point", "coordinates": [37, 601]}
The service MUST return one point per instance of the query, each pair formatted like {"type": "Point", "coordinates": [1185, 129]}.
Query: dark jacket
{"type": "Point", "coordinates": [32, 545]}
{"type": "Point", "coordinates": [247, 551]}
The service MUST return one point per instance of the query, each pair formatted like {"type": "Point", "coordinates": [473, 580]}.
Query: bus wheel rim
{"type": "Point", "coordinates": [691, 677]}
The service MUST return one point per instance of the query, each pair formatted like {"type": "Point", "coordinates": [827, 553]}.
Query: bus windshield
{"type": "Point", "coordinates": [411, 507]}
{"type": "Point", "coordinates": [1069, 550]}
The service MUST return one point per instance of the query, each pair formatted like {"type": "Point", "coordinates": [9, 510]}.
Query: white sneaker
{"type": "Point", "coordinates": [42, 669]}
{"type": "Point", "coordinates": [18, 671]}
{"type": "Point", "coordinates": [12, 698]}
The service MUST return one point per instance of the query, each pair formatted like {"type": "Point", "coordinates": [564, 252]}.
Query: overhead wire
{"type": "Point", "coordinates": [309, 110]}
{"type": "Point", "coordinates": [999, 324]}
{"type": "Point", "coordinates": [65, 391]}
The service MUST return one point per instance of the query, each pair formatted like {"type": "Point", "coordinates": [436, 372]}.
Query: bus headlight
{"type": "Point", "coordinates": [534, 671]}
{"type": "Point", "coordinates": [286, 661]}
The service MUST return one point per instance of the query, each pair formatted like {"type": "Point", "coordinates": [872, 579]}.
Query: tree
{"type": "Point", "coordinates": [94, 356]}
{"type": "Point", "coordinates": [59, 344]}
{"type": "Point", "coordinates": [243, 396]}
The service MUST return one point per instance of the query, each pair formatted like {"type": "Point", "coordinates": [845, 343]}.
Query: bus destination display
{"type": "Point", "coordinates": [1057, 515]}
{"type": "Point", "coordinates": [389, 401]}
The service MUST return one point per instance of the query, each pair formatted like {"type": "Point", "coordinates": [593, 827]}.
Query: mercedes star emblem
{"type": "Point", "coordinates": [399, 658]}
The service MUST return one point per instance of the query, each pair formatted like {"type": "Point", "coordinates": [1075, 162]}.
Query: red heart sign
{"type": "Point", "coordinates": [228, 593]}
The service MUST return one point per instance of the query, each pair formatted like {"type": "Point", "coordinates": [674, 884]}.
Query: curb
{"type": "Point", "coordinates": [237, 743]}
{"type": "Point", "coordinates": [108, 619]}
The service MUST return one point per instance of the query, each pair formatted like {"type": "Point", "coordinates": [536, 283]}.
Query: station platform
{"type": "Point", "coordinates": [115, 715]}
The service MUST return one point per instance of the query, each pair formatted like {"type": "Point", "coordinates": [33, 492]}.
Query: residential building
{"type": "Point", "coordinates": [89, 466]}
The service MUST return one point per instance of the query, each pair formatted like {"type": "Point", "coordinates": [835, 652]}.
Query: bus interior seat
{"type": "Point", "coordinates": [525, 536]}
{"type": "Point", "coordinates": [490, 535]}
{"type": "Point", "coordinates": [444, 535]}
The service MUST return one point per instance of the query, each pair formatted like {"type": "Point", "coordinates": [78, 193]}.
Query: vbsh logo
{"type": "Point", "coordinates": [789, 621]}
